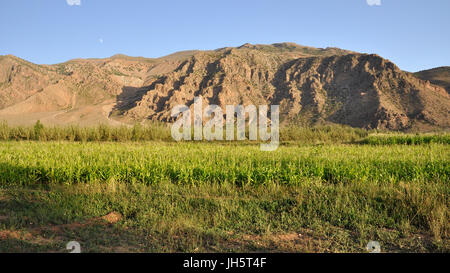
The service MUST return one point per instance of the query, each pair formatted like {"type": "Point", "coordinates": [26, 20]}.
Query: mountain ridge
{"type": "Point", "coordinates": [311, 85]}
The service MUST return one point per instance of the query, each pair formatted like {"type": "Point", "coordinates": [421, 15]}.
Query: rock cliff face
{"type": "Point", "coordinates": [312, 86]}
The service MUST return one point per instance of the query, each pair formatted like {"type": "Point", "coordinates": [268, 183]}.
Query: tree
{"type": "Point", "coordinates": [38, 129]}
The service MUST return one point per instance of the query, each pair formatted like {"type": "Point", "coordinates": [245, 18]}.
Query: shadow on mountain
{"type": "Point", "coordinates": [131, 95]}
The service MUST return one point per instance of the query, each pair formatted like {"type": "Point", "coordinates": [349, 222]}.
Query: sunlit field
{"type": "Point", "coordinates": [32, 163]}
{"type": "Point", "coordinates": [164, 196]}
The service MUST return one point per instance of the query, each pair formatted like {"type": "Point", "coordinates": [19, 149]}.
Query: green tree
{"type": "Point", "coordinates": [38, 130]}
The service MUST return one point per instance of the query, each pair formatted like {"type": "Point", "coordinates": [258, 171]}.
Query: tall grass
{"type": "Point", "coordinates": [406, 139]}
{"type": "Point", "coordinates": [322, 134]}
{"type": "Point", "coordinates": [154, 131]}
{"type": "Point", "coordinates": [198, 163]}
{"type": "Point", "coordinates": [328, 134]}
{"type": "Point", "coordinates": [161, 131]}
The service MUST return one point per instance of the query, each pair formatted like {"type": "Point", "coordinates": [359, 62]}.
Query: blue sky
{"type": "Point", "coordinates": [415, 34]}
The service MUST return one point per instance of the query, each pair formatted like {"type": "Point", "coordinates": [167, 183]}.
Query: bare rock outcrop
{"type": "Point", "coordinates": [311, 85]}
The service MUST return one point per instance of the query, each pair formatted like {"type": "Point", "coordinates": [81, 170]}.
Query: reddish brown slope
{"type": "Point", "coordinates": [311, 85]}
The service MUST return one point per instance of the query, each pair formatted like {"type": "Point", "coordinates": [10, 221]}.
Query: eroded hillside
{"type": "Point", "coordinates": [312, 86]}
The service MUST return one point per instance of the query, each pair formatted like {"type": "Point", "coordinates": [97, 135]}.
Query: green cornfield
{"type": "Point", "coordinates": [342, 187]}
{"type": "Point", "coordinates": [28, 163]}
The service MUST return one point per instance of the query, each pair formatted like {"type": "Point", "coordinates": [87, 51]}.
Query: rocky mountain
{"type": "Point", "coordinates": [439, 76]}
{"type": "Point", "coordinates": [311, 85]}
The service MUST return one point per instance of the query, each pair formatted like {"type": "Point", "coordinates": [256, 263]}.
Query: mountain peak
{"type": "Point", "coordinates": [246, 45]}
{"type": "Point", "coordinates": [119, 56]}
